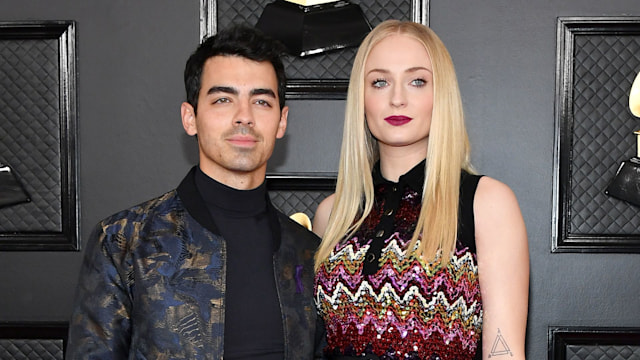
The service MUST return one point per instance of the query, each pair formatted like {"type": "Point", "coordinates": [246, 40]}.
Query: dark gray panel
{"type": "Point", "coordinates": [323, 76]}
{"type": "Point", "coordinates": [332, 65]}
{"type": "Point", "coordinates": [32, 341]}
{"type": "Point", "coordinates": [22, 349]}
{"type": "Point", "coordinates": [604, 67]}
{"type": "Point", "coordinates": [598, 58]}
{"type": "Point", "coordinates": [603, 352]}
{"type": "Point", "coordinates": [30, 131]}
{"type": "Point", "coordinates": [594, 343]}
{"type": "Point", "coordinates": [291, 194]}
{"type": "Point", "coordinates": [38, 127]}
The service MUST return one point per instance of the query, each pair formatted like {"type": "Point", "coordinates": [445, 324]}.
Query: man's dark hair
{"type": "Point", "coordinates": [240, 41]}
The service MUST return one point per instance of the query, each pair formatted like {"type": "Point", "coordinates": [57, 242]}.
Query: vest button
{"type": "Point", "coordinates": [371, 257]}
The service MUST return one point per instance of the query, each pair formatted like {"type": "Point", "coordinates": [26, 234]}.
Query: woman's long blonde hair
{"type": "Point", "coordinates": [447, 154]}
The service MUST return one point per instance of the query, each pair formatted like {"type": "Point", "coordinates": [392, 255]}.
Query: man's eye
{"type": "Point", "coordinates": [221, 100]}
{"type": "Point", "coordinates": [378, 83]}
{"type": "Point", "coordinates": [263, 102]}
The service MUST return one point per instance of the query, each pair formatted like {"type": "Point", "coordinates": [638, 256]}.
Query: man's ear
{"type": "Point", "coordinates": [282, 125]}
{"type": "Point", "coordinates": [188, 119]}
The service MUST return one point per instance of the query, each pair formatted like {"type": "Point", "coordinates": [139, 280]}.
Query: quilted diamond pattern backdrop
{"type": "Point", "coordinates": [331, 65]}
{"type": "Point", "coordinates": [603, 352]}
{"type": "Point", "coordinates": [26, 349]}
{"type": "Point", "coordinates": [604, 67]}
{"type": "Point", "coordinates": [29, 131]}
{"type": "Point", "coordinates": [594, 343]}
{"type": "Point", "coordinates": [293, 201]}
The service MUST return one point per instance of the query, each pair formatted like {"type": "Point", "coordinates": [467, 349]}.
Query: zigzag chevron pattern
{"type": "Point", "coordinates": [408, 309]}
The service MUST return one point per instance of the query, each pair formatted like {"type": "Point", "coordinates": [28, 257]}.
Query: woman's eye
{"type": "Point", "coordinates": [418, 82]}
{"type": "Point", "coordinates": [378, 83]}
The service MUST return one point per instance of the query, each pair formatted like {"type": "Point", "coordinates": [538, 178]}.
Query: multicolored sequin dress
{"type": "Point", "coordinates": [376, 298]}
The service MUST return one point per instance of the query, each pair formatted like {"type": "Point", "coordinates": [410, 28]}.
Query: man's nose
{"type": "Point", "coordinates": [244, 116]}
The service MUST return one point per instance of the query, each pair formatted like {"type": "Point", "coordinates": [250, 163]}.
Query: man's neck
{"type": "Point", "coordinates": [226, 201]}
{"type": "Point", "coordinates": [237, 180]}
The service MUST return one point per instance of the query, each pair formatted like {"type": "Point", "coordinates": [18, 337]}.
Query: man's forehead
{"type": "Point", "coordinates": [237, 71]}
{"type": "Point", "coordinates": [237, 61]}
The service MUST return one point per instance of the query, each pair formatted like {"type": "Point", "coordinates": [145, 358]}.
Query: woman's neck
{"type": "Point", "coordinates": [395, 162]}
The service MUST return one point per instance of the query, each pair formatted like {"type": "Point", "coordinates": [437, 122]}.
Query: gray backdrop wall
{"type": "Point", "coordinates": [132, 147]}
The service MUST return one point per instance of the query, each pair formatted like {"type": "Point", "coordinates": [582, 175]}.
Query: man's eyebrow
{"type": "Point", "coordinates": [222, 89]}
{"type": "Point", "coordinates": [261, 91]}
{"type": "Point", "coordinates": [234, 91]}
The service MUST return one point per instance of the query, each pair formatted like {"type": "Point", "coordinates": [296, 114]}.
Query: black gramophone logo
{"type": "Point", "coordinates": [11, 190]}
{"type": "Point", "coordinates": [626, 184]}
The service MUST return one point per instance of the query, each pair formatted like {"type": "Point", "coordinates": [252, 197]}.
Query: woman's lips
{"type": "Point", "coordinates": [397, 120]}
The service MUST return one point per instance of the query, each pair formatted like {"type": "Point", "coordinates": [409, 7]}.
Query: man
{"type": "Point", "coordinates": [211, 268]}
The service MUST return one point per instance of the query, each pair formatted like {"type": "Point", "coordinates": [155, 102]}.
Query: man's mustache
{"type": "Point", "coordinates": [243, 130]}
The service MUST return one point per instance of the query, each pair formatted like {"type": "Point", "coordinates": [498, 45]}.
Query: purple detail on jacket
{"type": "Point", "coordinates": [298, 276]}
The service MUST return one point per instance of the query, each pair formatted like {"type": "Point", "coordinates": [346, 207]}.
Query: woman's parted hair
{"type": "Point", "coordinates": [447, 154]}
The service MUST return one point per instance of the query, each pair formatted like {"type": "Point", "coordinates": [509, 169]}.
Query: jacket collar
{"type": "Point", "coordinates": [197, 208]}
{"type": "Point", "coordinates": [193, 202]}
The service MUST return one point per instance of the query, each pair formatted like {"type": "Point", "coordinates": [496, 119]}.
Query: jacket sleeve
{"type": "Point", "coordinates": [100, 326]}
{"type": "Point", "coordinates": [320, 340]}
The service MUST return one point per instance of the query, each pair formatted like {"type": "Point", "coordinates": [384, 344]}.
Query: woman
{"type": "Point", "coordinates": [420, 259]}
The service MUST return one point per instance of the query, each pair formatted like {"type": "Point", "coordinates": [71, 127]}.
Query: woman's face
{"type": "Point", "coordinates": [398, 94]}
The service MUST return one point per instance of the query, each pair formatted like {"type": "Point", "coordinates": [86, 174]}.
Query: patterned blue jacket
{"type": "Point", "coordinates": [152, 284]}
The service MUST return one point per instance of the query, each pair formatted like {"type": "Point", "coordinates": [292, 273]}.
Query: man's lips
{"type": "Point", "coordinates": [242, 140]}
{"type": "Point", "coordinates": [397, 120]}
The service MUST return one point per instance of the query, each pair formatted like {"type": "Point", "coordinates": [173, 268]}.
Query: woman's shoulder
{"type": "Point", "coordinates": [321, 217]}
{"type": "Point", "coordinates": [498, 218]}
{"type": "Point", "coordinates": [490, 190]}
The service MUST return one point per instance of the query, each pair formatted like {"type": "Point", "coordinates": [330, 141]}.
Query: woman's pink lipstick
{"type": "Point", "coordinates": [397, 120]}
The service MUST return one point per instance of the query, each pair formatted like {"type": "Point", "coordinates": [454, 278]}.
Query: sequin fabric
{"type": "Point", "coordinates": [407, 309]}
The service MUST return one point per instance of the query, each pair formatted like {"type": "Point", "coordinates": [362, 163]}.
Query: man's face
{"type": "Point", "coordinates": [238, 120]}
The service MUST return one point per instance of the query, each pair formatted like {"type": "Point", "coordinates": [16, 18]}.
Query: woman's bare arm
{"type": "Point", "coordinates": [503, 269]}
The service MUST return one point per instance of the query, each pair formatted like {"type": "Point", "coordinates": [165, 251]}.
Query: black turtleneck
{"type": "Point", "coordinates": [253, 326]}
